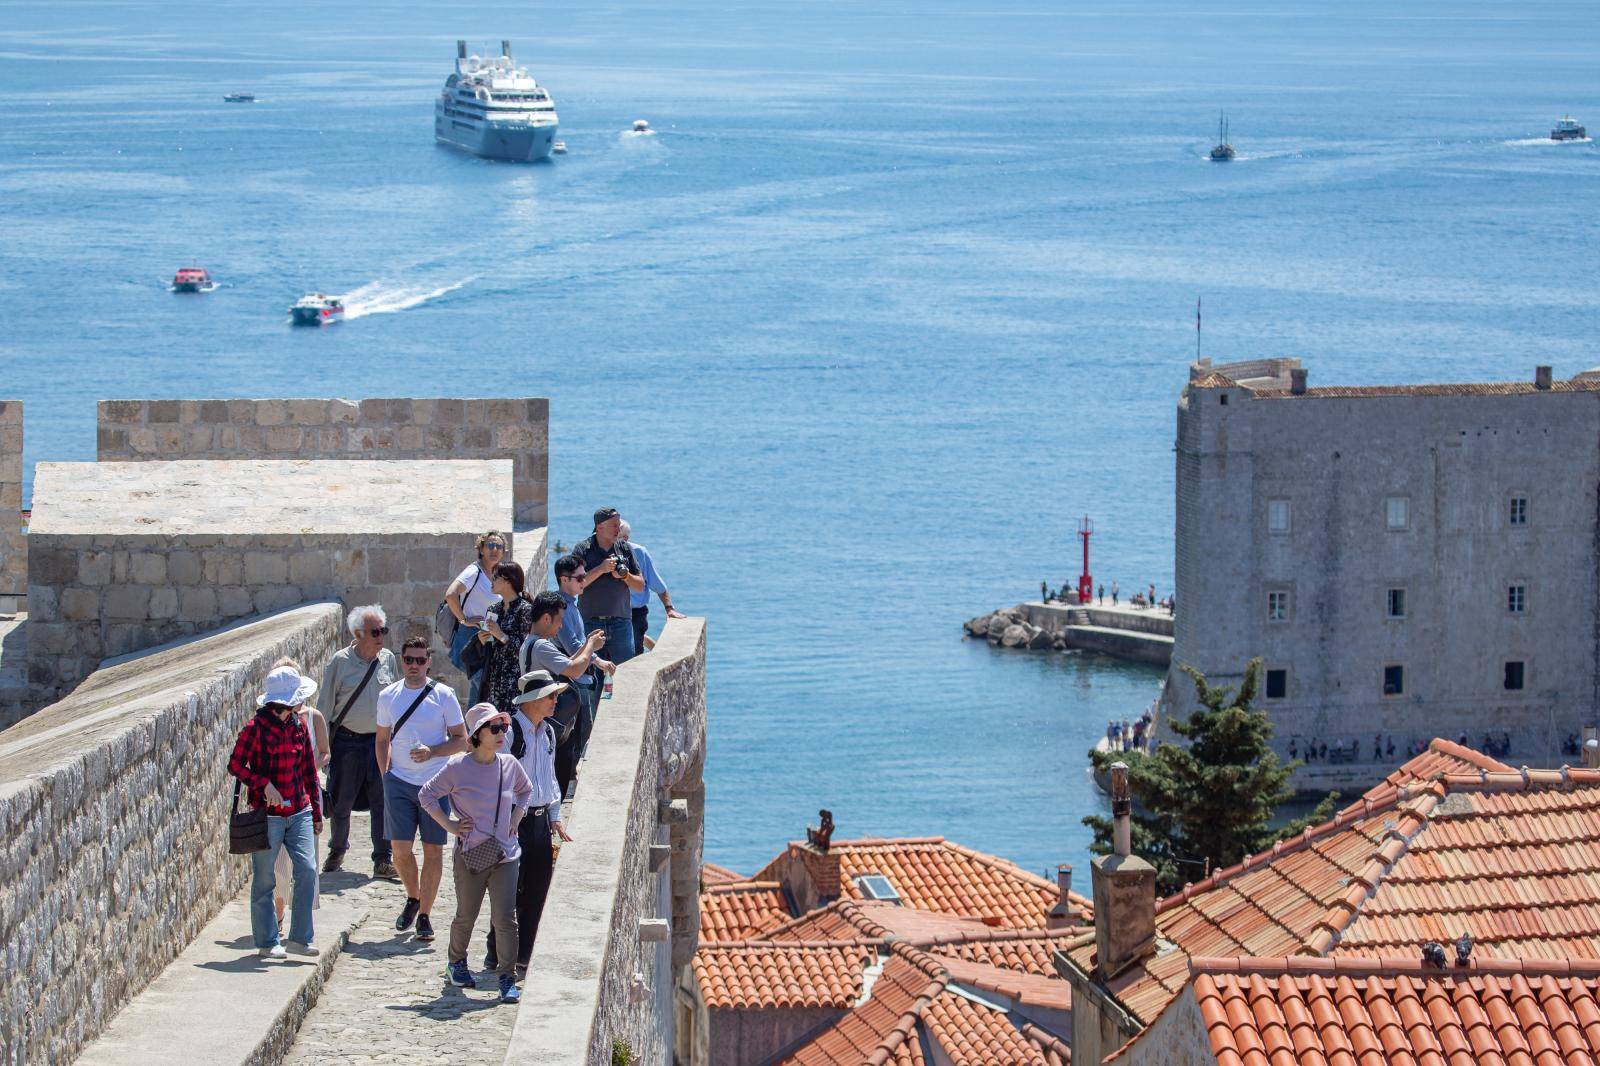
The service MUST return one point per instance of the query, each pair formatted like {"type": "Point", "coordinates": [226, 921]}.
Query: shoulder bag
{"type": "Point", "coordinates": [372, 668]}
{"type": "Point", "coordinates": [404, 718]}
{"type": "Point", "coordinates": [445, 621]}
{"type": "Point", "coordinates": [247, 829]}
{"type": "Point", "coordinates": [487, 853]}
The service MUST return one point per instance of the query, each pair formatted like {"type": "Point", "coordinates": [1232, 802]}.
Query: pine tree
{"type": "Point", "coordinates": [1209, 803]}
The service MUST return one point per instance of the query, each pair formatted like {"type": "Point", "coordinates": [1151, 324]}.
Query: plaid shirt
{"type": "Point", "coordinates": [278, 752]}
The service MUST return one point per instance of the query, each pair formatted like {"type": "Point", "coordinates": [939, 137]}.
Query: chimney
{"type": "Point", "coordinates": [505, 49]}
{"type": "Point", "coordinates": [1297, 381]}
{"type": "Point", "coordinates": [1061, 915]}
{"type": "Point", "coordinates": [1199, 368]}
{"type": "Point", "coordinates": [461, 49]}
{"type": "Point", "coordinates": [1124, 890]}
{"type": "Point", "coordinates": [1591, 748]}
{"type": "Point", "coordinates": [1541, 378]}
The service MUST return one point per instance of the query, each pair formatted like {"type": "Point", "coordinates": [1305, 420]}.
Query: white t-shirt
{"type": "Point", "coordinates": [480, 592]}
{"type": "Point", "coordinates": [429, 723]}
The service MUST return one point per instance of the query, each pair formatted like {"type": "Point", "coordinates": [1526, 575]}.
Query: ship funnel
{"type": "Point", "coordinates": [505, 49]}
{"type": "Point", "coordinates": [461, 49]}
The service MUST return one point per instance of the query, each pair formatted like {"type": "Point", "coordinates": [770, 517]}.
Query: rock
{"type": "Point", "coordinates": [998, 624]}
{"type": "Point", "coordinates": [1059, 643]}
{"type": "Point", "coordinates": [977, 627]}
{"type": "Point", "coordinates": [1040, 640]}
{"type": "Point", "coordinates": [1015, 636]}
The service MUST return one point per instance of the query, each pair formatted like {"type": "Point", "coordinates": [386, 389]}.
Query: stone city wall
{"type": "Point", "coordinates": [515, 429]}
{"type": "Point", "coordinates": [601, 971]}
{"type": "Point", "coordinates": [114, 825]}
{"type": "Point", "coordinates": [13, 544]}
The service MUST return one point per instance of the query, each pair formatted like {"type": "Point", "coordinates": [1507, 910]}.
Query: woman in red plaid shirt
{"type": "Point", "coordinates": [273, 759]}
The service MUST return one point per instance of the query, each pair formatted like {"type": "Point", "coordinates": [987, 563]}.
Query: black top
{"type": "Point", "coordinates": [503, 668]}
{"type": "Point", "coordinates": [608, 596]}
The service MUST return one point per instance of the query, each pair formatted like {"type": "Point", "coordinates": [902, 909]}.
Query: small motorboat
{"type": "Point", "coordinates": [559, 148]}
{"type": "Point", "coordinates": [1568, 129]}
{"type": "Point", "coordinates": [1222, 151]}
{"type": "Point", "coordinates": [239, 98]}
{"type": "Point", "coordinates": [192, 279]}
{"type": "Point", "coordinates": [641, 128]}
{"type": "Point", "coordinates": [316, 309]}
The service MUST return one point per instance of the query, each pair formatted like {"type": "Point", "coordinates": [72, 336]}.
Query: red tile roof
{"type": "Point", "coordinates": [1384, 1011]}
{"type": "Point", "coordinates": [712, 874]}
{"type": "Point", "coordinates": [741, 974]}
{"type": "Point", "coordinates": [1441, 757]}
{"type": "Point", "coordinates": [876, 1030]}
{"type": "Point", "coordinates": [1511, 857]}
{"type": "Point", "coordinates": [739, 910]}
{"type": "Point", "coordinates": [933, 874]}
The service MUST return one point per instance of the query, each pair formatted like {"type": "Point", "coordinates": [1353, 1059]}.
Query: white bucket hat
{"type": "Point", "coordinates": [537, 684]}
{"type": "Point", "coordinates": [285, 685]}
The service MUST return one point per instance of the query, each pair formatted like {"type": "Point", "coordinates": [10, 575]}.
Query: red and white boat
{"type": "Point", "coordinates": [192, 279]}
{"type": "Point", "coordinates": [315, 309]}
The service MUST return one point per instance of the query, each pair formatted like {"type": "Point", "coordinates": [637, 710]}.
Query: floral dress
{"type": "Point", "coordinates": [504, 667]}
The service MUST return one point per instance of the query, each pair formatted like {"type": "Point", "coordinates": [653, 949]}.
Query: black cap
{"type": "Point", "coordinates": [605, 514]}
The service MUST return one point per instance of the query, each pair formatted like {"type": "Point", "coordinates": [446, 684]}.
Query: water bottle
{"type": "Point", "coordinates": [606, 695]}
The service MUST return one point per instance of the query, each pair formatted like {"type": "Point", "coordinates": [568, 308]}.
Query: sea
{"type": "Point", "coordinates": [899, 293]}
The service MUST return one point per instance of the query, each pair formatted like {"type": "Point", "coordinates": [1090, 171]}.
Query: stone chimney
{"type": "Point", "coordinates": [1124, 890]}
{"type": "Point", "coordinates": [1541, 378]}
{"type": "Point", "coordinates": [1297, 381]}
{"type": "Point", "coordinates": [1591, 748]}
{"type": "Point", "coordinates": [1199, 368]}
{"type": "Point", "coordinates": [1061, 915]}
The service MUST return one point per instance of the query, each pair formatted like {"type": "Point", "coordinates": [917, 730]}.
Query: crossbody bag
{"type": "Point", "coordinates": [404, 718]}
{"type": "Point", "coordinates": [445, 621]}
{"type": "Point", "coordinates": [372, 668]}
{"type": "Point", "coordinates": [487, 853]}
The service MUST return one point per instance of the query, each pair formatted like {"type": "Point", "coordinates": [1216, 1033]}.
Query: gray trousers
{"type": "Point", "coordinates": [500, 881]}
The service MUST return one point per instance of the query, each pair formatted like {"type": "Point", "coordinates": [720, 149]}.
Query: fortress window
{"type": "Point", "coordinates": [1394, 681]}
{"type": "Point", "coordinates": [1277, 516]}
{"type": "Point", "coordinates": [1277, 684]}
{"type": "Point", "coordinates": [1514, 676]}
{"type": "Point", "coordinates": [1516, 598]}
{"type": "Point", "coordinates": [1518, 515]}
{"type": "Point", "coordinates": [1395, 603]}
{"type": "Point", "coordinates": [1277, 606]}
{"type": "Point", "coordinates": [1397, 512]}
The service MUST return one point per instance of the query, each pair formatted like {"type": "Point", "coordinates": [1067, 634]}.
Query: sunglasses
{"type": "Point", "coordinates": [381, 631]}
{"type": "Point", "coordinates": [416, 660]}
{"type": "Point", "coordinates": [491, 546]}
{"type": "Point", "coordinates": [496, 728]}
{"type": "Point", "coordinates": [578, 577]}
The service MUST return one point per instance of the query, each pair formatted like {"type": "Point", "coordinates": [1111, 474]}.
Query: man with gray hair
{"type": "Point", "coordinates": [351, 681]}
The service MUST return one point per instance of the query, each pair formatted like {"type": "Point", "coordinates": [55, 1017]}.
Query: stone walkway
{"type": "Point", "coordinates": [388, 1000]}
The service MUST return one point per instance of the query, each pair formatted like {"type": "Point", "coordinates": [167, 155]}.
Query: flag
{"type": "Point", "coordinates": [1197, 314]}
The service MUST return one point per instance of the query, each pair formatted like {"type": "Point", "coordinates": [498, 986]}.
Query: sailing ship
{"type": "Point", "coordinates": [1222, 151]}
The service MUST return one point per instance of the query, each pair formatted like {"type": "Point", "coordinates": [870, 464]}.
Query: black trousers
{"type": "Point", "coordinates": [533, 884]}
{"type": "Point", "coordinates": [352, 776]}
{"type": "Point", "coordinates": [641, 622]}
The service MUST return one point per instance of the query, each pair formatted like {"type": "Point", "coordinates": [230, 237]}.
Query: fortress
{"type": "Point", "coordinates": [159, 583]}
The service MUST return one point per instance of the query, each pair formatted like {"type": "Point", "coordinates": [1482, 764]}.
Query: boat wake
{"type": "Point", "coordinates": [213, 287]}
{"type": "Point", "coordinates": [382, 298]}
{"type": "Point", "coordinates": [1526, 141]}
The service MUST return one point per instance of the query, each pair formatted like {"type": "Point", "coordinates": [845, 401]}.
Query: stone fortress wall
{"type": "Point", "coordinates": [389, 428]}
{"type": "Point", "coordinates": [1329, 460]}
{"type": "Point", "coordinates": [13, 544]}
{"type": "Point", "coordinates": [113, 820]}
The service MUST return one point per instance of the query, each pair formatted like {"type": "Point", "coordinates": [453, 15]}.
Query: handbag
{"type": "Point", "coordinates": [487, 853]}
{"type": "Point", "coordinates": [474, 656]}
{"type": "Point", "coordinates": [445, 621]}
{"type": "Point", "coordinates": [247, 829]}
{"type": "Point", "coordinates": [569, 708]}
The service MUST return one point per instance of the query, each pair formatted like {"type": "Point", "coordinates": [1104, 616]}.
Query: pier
{"type": "Point", "coordinates": [1123, 631]}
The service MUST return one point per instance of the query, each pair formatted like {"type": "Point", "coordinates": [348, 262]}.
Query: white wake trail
{"type": "Point", "coordinates": [381, 298]}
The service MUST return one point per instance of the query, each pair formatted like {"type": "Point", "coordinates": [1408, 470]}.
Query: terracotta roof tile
{"type": "Point", "coordinates": [739, 910]}
{"type": "Point", "coordinates": [742, 974]}
{"type": "Point", "coordinates": [712, 874]}
{"type": "Point", "coordinates": [884, 1022]}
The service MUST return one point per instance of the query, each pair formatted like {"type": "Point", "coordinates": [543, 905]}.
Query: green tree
{"type": "Point", "coordinates": [1212, 799]}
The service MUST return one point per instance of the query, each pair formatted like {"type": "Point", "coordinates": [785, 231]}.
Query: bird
{"type": "Point", "coordinates": [1464, 949]}
{"type": "Point", "coordinates": [1433, 954]}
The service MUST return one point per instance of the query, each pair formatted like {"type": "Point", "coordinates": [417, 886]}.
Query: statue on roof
{"type": "Point", "coordinates": [818, 836]}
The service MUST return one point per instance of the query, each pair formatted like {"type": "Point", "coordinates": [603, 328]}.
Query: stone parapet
{"type": "Point", "coordinates": [602, 976]}
{"type": "Point", "coordinates": [113, 818]}
{"type": "Point", "coordinates": [388, 428]}
{"type": "Point", "coordinates": [13, 544]}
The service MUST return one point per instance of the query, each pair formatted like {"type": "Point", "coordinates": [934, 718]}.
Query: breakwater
{"type": "Point", "coordinates": [1138, 634]}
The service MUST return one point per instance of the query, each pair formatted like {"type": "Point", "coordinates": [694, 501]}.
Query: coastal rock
{"type": "Point", "coordinates": [1014, 636]}
{"type": "Point", "coordinates": [977, 627]}
{"type": "Point", "coordinates": [1040, 641]}
{"type": "Point", "coordinates": [998, 624]}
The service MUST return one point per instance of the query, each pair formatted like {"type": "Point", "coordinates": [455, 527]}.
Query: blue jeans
{"type": "Point", "coordinates": [619, 637]}
{"type": "Point", "coordinates": [296, 835]}
{"type": "Point", "coordinates": [465, 634]}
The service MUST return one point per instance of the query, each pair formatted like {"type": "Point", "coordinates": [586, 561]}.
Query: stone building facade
{"type": "Point", "coordinates": [1406, 560]}
{"type": "Point", "coordinates": [13, 545]}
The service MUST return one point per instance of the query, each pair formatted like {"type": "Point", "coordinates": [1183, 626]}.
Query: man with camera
{"type": "Point", "coordinates": [612, 576]}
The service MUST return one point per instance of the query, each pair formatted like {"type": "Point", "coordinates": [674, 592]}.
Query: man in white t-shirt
{"type": "Point", "coordinates": [420, 725]}
{"type": "Point", "coordinates": [469, 597]}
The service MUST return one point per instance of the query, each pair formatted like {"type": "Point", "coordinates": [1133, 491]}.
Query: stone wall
{"type": "Point", "coordinates": [113, 825]}
{"type": "Point", "coordinates": [514, 429]}
{"type": "Point", "coordinates": [13, 545]}
{"type": "Point", "coordinates": [596, 976]}
{"type": "Point", "coordinates": [267, 536]}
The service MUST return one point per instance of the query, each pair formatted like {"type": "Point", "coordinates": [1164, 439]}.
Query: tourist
{"type": "Point", "coordinates": [1102, 592]}
{"type": "Point", "coordinates": [272, 758]}
{"type": "Point", "coordinates": [611, 576]}
{"type": "Point", "coordinates": [488, 793]}
{"type": "Point", "coordinates": [1113, 594]}
{"type": "Point", "coordinates": [419, 726]}
{"type": "Point", "coordinates": [316, 727]}
{"type": "Point", "coordinates": [533, 744]}
{"type": "Point", "coordinates": [351, 681]}
{"type": "Point", "coordinates": [505, 629]}
{"type": "Point", "coordinates": [469, 597]}
{"type": "Point", "coordinates": [639, 600]}
{"type": "Point", "coordinates": [543, 651]}
{"type": "Point", "coordinates": [570, 574]}
{"type": "Point", "coordinates": [1151, 599]}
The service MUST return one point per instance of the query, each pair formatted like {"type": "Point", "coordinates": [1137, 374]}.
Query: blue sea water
{"type": "Point", "coordinates": [900, 291]}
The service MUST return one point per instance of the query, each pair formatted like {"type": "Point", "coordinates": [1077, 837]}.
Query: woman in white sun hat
{"type": "Point", "coordinates": [317, 729]}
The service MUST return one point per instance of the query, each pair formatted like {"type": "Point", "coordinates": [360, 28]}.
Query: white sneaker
{"type": "Point", "coordinates": [274, 952]}
{"type": "Point", "coordinates": [294, 947]}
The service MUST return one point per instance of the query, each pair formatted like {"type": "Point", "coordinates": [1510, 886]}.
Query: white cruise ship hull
{"type": "Point", "coordinates": [516, 142]}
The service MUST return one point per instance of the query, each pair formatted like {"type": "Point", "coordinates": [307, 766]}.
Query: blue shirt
{"type": "Point", "coordinates": [572, 633]}
{"type": "Point", "coordinates": [652, 579]}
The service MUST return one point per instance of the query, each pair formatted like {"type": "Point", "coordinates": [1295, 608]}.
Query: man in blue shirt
{"type": "Point", "coordinates": [640, 598]}
{"type": "Point", "coordinates": [570, 573]}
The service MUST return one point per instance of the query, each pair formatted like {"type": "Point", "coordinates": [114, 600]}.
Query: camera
{"type": "Point", "coordinates": [622, 566]}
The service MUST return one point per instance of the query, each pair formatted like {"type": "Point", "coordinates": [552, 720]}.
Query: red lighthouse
{"type": "Point", "coordinates": [1085, 585]}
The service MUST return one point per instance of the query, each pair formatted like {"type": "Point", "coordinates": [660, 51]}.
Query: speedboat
{"type": "Point", "coordinates": [641, 128]}
{"type": "Point", "coordinates": [1567, 129]}
{"type": "Point", "coordinates": [559, 148]}
{"type": "Point", "coordinates": [239, 98]}
{"type": "Point", "coordinates": [315, 309]}
{"type": "Point", "coordinates": [192, 279]}
{"type": "Point", "coordinates": [1222, 151]}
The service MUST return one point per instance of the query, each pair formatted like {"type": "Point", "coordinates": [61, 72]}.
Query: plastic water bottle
{"type": "Point", "coordinates": [606, 695]}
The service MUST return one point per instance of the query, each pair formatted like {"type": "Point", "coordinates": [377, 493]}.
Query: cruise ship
{"type": "Point", "coordinates": [494, 109]}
